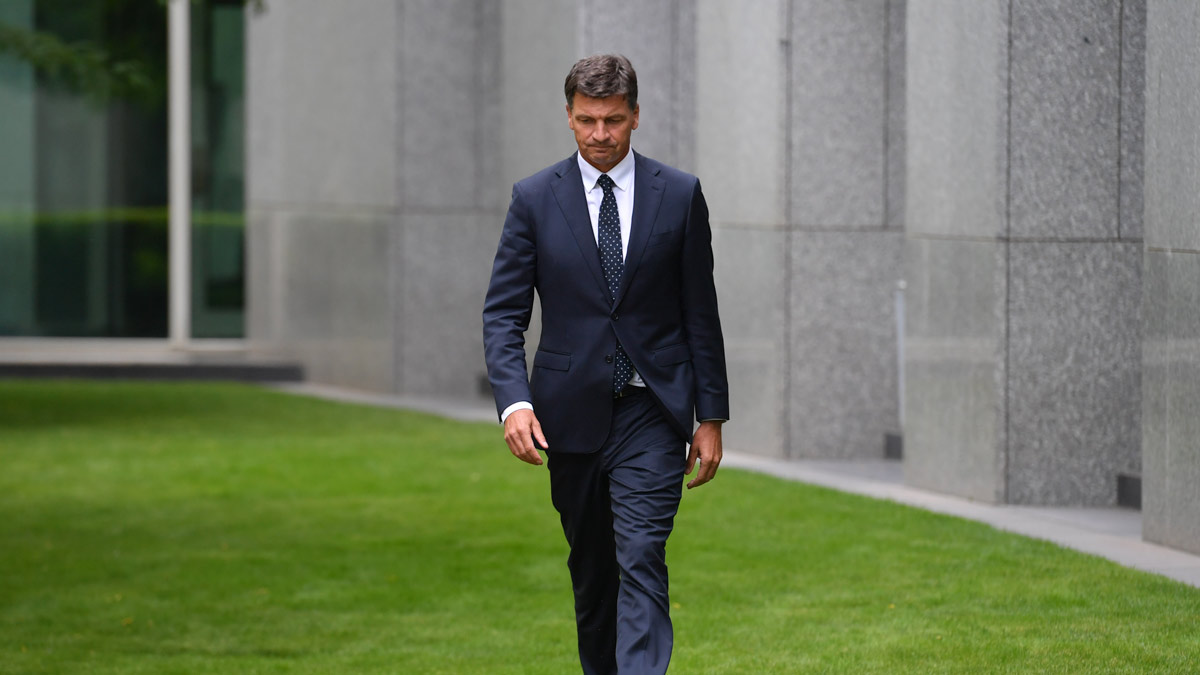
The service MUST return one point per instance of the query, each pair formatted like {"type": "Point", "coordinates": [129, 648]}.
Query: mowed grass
{"type": "Point", "coordinates": [171, 528]}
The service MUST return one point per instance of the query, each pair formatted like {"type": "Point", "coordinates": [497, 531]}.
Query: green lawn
{"type": "Point", "coordinates": [165, 528]}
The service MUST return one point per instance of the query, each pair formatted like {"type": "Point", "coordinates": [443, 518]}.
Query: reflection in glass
{"type": "Point", "coordinates": [82, 93]}
{"type": "Point", "coordinates": [83, 172]}
{"type": "Point", "coordinates": [218, 173]}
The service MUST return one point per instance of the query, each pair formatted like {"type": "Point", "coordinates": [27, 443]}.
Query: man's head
{"type": "Point", "coordinates": [602, 108]}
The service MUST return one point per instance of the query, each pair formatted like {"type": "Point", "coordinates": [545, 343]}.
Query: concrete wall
{"type": "Point", "coordinates": [382, 147]}
{"type": "Point", "coordinates": [449, 160]}
{"type": "Point", "coordinates": [955, 265]}
{"type": "Point", "coordinates": [845, 134]}
{"type": "Point", "coordinates": [1024, 251]}
{"type": "Point", "coordinates": [659, 37]}
{"type": "Point", "coordinates": [322, 204]}
{"type": "Point", "coordinates": [741, 111]}
{"type": "Point", "coordinates": [539, 41]}
{"type": "Point", "coordinates": [1171, 356]}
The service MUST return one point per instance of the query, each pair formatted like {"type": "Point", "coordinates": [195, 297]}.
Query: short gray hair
{"type": "Point", "coordinates": [601, 76]}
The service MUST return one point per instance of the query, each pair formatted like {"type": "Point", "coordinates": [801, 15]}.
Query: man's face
{"type": "Point", "coordinates": [602, 129]}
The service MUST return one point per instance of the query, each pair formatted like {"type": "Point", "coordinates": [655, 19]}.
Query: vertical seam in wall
{"type": "Point", "coordinates": [1007, 249]}
{"type": "Point", "coordinates": [887, 103]}
{"type": "Point", "coordinates": [586, 32]}
{"type": "Point", "coordinates": [395, 273]}
{"type": "Point", "coordinates": [1120, 110]}
{"type": "Point", "coordinates": [788, 237]}
{"type": "Point", "coordinates": [477, 75]}
{"type": "Point", "coordinates": [676, 108]}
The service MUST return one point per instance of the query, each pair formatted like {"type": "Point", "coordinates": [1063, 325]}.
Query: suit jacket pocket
{"type": "Point", "coordinates": [660, 238]}
{"type": "Point", "coordinates": [551, 360]}
{"type": "Point", "coordinates": [673, 354]}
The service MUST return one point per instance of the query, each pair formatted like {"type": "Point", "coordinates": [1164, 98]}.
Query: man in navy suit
{"type": "Point", "coordinates": [618, 248]}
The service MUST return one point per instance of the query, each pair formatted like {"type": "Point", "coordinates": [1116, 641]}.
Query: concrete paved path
{"type": "Point", "coordinates": [1112, 533]}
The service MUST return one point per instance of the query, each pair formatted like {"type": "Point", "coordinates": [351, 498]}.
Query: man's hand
{"type": "Point", "coordinates": [521, 429]}
{"type": "Point", "coordinates": [706, 445]}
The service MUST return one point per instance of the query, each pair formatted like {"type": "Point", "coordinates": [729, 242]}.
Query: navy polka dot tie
{"type": "Point", "coordinates": [611, 259]}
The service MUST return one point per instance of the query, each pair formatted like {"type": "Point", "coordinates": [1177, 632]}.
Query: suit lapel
{"type": "Point", "coordinates": [647, 197]}
{"type": "Point", "coordinates": [568, 191]}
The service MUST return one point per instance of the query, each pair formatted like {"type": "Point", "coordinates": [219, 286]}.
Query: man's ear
{"type": "Point", "coordinates": [570, 118]}
{"type": "Point", "coordinates": [636, 109]}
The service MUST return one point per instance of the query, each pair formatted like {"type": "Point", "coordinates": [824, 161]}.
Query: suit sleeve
{"type": "Point", "coordinates": [700, 316]}
{"type": "Point", "coordinates": [508, 305]}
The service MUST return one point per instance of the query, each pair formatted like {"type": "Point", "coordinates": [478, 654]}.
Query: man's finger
{"type": "Point", "coordinates": [708, 469]}
{"type": "Point", "coordinates": [693, 453]}
{"type": "Point", "coordinates": [541, 438]}
{"type": "Point", "coordinates": [529, 453]}
{"type": "Point", "coordinates": [515, 447]}
{"type": "Point", "coordinates": [699, 479]}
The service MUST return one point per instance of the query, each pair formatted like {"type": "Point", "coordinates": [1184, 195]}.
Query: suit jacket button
{"type": "Point", "coordinates": [616, 318]}
{"type": "Point", "coordinates": [608, 358]}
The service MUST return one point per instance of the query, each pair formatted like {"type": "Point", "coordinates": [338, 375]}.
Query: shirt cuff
{"type": "Point", "coordinates": [715, 419]}
{"type": "Point", "coordinates": [519, 405]}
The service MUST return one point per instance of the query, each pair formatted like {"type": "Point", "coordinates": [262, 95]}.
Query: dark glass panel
{"type": "Point", "coordinates": [85, 83]}
{"type": "Point", "coordinates": [218, 168]}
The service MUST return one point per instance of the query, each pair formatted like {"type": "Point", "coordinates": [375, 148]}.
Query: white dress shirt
{"type": "Point", "coordinates": [622, 177]}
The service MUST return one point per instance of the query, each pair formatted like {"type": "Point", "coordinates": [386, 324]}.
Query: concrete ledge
{"type": "Point", "coordinates": [237, 372]}
{"type": "Point", "coordinates": [456, 409]}
{"type": "Point", "coordinates": [140, 359]}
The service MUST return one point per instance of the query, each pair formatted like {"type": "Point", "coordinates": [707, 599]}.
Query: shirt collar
{"type": "Point", "coordinates": [621, 174]}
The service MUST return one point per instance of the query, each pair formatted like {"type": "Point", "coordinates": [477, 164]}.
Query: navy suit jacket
{"type": "Point", "coordinates": [665, 313]}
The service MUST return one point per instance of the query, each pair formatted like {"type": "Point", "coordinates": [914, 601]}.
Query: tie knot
{"type": "Point", "coordinates": [605, 182]}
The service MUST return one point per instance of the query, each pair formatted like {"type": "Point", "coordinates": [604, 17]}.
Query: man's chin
{"type": "Point", "coordinates": [601, 157]}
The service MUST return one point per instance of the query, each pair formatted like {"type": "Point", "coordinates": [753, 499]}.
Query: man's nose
{"type": "Point", "coordinates": [602, 131]}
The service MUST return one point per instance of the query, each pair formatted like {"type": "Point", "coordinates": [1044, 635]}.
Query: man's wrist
{"type": "Point", "coordinates": [519, 405]}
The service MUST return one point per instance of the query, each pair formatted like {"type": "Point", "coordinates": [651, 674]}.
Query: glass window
{"type": "Point", "coordinates": [83, 96]}
{"type": "Point", "coordinates": [218, 168]}
{"type": "Point", "coordinates": [83, 174]}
